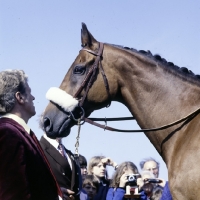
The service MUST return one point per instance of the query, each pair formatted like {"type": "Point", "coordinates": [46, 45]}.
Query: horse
{"type": "Point", "coordinates": [155, 91]}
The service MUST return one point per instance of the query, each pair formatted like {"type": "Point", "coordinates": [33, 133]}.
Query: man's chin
{"type": "Point", "coordinates": [33, 113]}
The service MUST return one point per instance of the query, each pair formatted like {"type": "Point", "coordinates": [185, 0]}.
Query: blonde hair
{"type": "Point", "coordinates": [94, 161]}
{"type": "Point", "coordinates": [120, 171]}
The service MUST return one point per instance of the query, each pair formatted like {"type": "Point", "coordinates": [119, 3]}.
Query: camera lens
{"type": "Point", "coordinates": [131, 178]}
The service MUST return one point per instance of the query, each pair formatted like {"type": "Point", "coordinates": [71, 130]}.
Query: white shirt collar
{"type": "Point", "coordinates": [18, 120]}
{"type": "Point", "coordinates": [51, 141]}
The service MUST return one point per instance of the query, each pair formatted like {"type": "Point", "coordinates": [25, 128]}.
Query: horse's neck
{"type": "Point", "coordinates": [155, 97]}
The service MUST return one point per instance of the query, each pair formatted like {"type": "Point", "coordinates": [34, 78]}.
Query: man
{"type": "Point", "coordinates": [150, 164]}
{"type": "Point", "coordinates": [24, 170]}
{"type": "Point", "coordinates": [64, 166]}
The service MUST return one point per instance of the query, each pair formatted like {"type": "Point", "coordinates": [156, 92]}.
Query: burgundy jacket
{"type": "Point", "coordinates": [24, 173]}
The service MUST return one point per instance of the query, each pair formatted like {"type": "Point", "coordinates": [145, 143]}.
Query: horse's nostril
{"type": "Point", "coordinates": [47, 125]}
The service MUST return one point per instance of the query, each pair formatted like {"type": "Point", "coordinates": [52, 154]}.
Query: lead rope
{"type": "Point", "coordinates": [76, 154]}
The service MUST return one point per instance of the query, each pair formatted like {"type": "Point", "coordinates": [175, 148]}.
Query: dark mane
{"type": "Point", "coordinates": [183, 70]}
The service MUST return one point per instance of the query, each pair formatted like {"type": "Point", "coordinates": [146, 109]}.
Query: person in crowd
{"type": "Point", "coordinates": [156, 194]}
{"type": "Point", "coordinates": [120, 180]}
{"type": "Point", "coordinates": [97, 167]}
{"type": "Point", "coordinates": [64, 166]}
{"type": "Point", "coordinates": [83, 166]}
{"type": "Point", "coordinates": [148, 189]}
{"type": "Point", "coordinates": [145, 174]}
{"type": "Point", "coordinates": [150, 164]}
{"type": "Point", "coordinates": [90, 185]}
{"type": "Point", "coordinates": [24, 170]}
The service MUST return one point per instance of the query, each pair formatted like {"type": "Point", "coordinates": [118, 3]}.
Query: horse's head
{"type": "Point", "coordinates": [82, 91]}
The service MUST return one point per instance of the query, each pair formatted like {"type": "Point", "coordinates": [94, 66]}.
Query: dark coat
{"type": "Point", "coordinates": [24, 173]}
{"type": "Point", "coordinates": [67, 178]}
{"type": "Point", "coordinates": [102, 190]}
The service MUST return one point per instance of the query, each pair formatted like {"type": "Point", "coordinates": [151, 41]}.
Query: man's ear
{"type": "Point", "coordinates": [19, 97]}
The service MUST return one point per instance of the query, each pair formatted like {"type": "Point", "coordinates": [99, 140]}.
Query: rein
{"type": "Point", "coordinates": [105, 127]}
{"type": "Point", "coordinates": [90, 79]}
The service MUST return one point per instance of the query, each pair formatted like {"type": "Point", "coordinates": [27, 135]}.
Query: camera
{"type": "Point", "coordinates": [131, 186]}
{"type": "Point", "coordinates": [153, 180]}
{"type": "Point", "coordinates": [132, 179]}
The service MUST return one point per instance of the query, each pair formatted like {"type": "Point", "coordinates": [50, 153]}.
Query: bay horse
{"type": "Point", "coordinates": [155, 91]}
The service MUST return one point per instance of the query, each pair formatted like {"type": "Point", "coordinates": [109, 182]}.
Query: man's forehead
{"type": "Point", "coordinates": [150, 164]}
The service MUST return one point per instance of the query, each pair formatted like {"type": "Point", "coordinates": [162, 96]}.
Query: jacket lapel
{"type": "Point", "coordinates": [54, 153]}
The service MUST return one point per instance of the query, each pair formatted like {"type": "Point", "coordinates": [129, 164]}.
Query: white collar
{"type": "Point", "coordinates": [18, 120]}
{"type": "Point", "coordinates": [53, 142]}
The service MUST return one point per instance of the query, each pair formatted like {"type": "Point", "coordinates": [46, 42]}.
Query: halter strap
{"type": "Point", "coordinates": [91, 74]}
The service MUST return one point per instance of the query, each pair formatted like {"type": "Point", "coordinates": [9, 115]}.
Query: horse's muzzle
{"type": "Point", "coordinates": [59, 131]}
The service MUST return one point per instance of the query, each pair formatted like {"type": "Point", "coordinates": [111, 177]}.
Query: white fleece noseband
{"type": "Point", "coordinates": [62, 98]}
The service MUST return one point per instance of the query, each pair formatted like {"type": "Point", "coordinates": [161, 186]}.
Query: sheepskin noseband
{"type": "Point", "coordinates": [62, 98]}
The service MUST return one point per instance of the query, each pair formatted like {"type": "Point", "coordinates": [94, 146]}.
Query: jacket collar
{"type": "Point", "coordinates": [18, 120]}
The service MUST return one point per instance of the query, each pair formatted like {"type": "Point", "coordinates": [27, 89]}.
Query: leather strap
{"type": "Point", "coordinates": [91, 74]}
{"type": "Point", "coordinates": [105, 127]}
{"type": "Point", "coordinates": [111, 119]}
{"type": "Point", "coordinates": [105, 83]}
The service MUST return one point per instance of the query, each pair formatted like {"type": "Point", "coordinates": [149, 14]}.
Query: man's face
{"type": "Point", "coordinates": [29, 107]}
{"type": "Point", "coordinates": [152, 167]}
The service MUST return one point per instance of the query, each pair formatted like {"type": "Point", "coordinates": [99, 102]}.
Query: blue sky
{"type": "Point", "coordinates": [43, 39]}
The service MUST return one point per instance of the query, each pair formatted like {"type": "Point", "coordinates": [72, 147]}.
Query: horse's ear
{"type": "Point", "coordinates": [86, 37]}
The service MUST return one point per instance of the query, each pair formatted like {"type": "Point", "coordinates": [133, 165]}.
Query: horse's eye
{"type": "Point", "coordinates": [80, 70]}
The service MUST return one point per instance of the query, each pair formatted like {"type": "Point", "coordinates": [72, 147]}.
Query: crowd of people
{"type": "Point", "coordinates": [147, 185]}
{"type": "Point", "coordinates": [45, 169]}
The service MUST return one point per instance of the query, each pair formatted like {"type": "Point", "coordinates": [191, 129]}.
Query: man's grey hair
{"type": "Point", "coordinates": [147, 160]}
{"type": "Point", "coordinates": [11, 81]}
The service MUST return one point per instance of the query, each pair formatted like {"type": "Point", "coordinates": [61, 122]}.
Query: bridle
{"type": "Point", "coordinates": [89, 80]}
{"type": "Point", "coordinates": [90, 77]}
